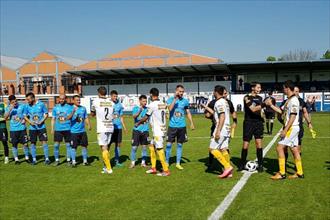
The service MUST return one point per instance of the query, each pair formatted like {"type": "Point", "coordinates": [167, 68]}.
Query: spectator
{"type": "Point", "coordinates": [44, 87]}
{"type": "Point", "coordinates": [240, 84]}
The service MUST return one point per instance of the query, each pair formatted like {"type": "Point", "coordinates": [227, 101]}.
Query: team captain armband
{"type": "Point", "coordinates": [247, 101]}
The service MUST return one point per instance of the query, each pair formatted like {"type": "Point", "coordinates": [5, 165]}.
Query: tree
{"type": "Point", "coordinates": [271, 58]}
{"type": "Point", "coordinates": [326, 55]}
{"type": "Point", "coordinates": [299, 55]}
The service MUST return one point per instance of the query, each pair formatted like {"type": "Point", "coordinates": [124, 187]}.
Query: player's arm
{"type": "Point", "coordinates": [276, 108]}
{"type": "Point", "coordinates": [137, 113]}
{"type": "Point", "coordinates": [7, 113]}
{"type": "Point", "coordinates": [27, 118]}
{"type": "Point", "coordinates": [123, 123]}
{"type": "Point", "coordinates": [93, 111]}
{"type": "Point", "coordinates": [145, 118]}
{"type": "Point", "coordinates": [289, 124]}
{"type": "Point", "coordinates": [219, 125]}
{"type": "Point", "coordinates": [171, 105]}
{"type": "Point", "coordinates": [254, 109]}
{"type": "Point", "coordinates": [210, 110]}
{"type": "Point", "coordinates": [306, 116]}
{"type": "Point", "coordinates": [52, 125]}
{"type": "Point", "coordinates": [74, 109]}
{"type": "Point", "coordinates": [189, 116]}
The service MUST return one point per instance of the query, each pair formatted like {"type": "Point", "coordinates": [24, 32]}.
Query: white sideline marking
{"type": "Point", "coordinates": [224, 205]}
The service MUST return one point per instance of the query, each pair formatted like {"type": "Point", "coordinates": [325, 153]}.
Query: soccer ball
{"type": "Point", "coordinates": [251, 166]}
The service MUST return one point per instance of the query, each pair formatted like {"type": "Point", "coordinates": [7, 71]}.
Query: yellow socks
{"type": "Point", "coordinates": [226, 155]}
{"type": "Point", "coordinates": [299, 167]}
{"type": "Point", "coordinates": [106, 159]}
{"type": "Point", "coordinates": [281, 164]}
{"type": "Point", "coordinates": [161, 155]}
{"type": "Point", "coordinates": [152, 156]}
{"type": "Point", "coordinates": [217, 154]}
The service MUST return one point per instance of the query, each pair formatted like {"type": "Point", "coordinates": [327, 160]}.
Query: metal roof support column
{"type": "Point", "coordinates": [17, 78]}
{"type": "Point", "coordinates": [233, 82]}
{"type": "Point", "coordinates": [198, 85]}
{"type": "Point", "coordinates": [57, 77]}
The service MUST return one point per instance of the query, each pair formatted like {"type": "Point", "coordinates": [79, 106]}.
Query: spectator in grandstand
{"type": "Point", "coordinates": [5, 89]}
{"type": "Point", "coordinates": [240, 84]}
{"type": "Point", "coordinates": [178, 108]}
{"type": "Point", "coordinates": [252, 125]}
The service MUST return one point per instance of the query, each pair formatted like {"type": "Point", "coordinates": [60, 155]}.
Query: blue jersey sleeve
{"type": "Point", "coordinates": [186, 106]}
{"type": "Point", "coordinates": [121, 110]}
{"type": "Point", "coordinates": [169, 101]}
{"type": "Point", "coordinates": [44, 109]}
{"type": "Point", "coordinates": [85, 113]}
{"type": "Point", "coordinates": [135, 110]}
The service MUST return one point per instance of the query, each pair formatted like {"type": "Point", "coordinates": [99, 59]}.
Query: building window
{"type": "Point", "coordinates": [190, 79]}
{"type": "Point", "coordinates": [130, 81]}
{"type": "Point", "coordinates": [160, 80]}
{"type": "Point", "coordinates": [144, 81]}
{"type": "Point", "coordinates": [207, 78]}
{"type": "Point", "coordinates": [175, 80]}
{"type": "Point", "coordinates": [116, 82]}
{"type": "Point", "coordinates": [101, 82]}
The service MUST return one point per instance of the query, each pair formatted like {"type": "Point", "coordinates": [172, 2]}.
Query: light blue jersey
{"type": "Point", "coordinates": [61, 113]}
{"type": "Point", "coordinates": [36, 113]}
{"type": "Point", "coordinates": [117, 113]}
{"type": "Point", "coordinates": [78, 120]}
{"type": "Point", "coordinates": [142, 127]}
{"type": "Point", "coordinates": [177, 115]}
{"type": "Point", "coordinates": [16, 117]}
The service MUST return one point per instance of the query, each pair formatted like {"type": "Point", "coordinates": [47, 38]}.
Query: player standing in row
{"type": "Point", "coordinates": [60, 128]}
{"type": "Point", "coordinates": [220, 139]}
{"type": "Point", "coordinates": [119, 125]}
{"type": "Point", "coordinates": [79, 119]}
{"type": "Point", "coordinates": [209, 114]}
{"type": "Point", "coordinates": [140, 134]}
{"type": "Point", "coordinates": [178, 107]}
{"type": "Point", "coordinates": [289, 134]}
{"type": "Point", "coordinates": [36, 114]}
{"type": "Point", "coordinates": [156, 115]}
{"type": "Point", "coordinates": [103, 108]}
{"type": "Point", "coordinates": [270, 113]}
{"type": "Point", "coordinates": [15, 113]}
{"type": "Point", "coordinates": [4, 131]}
{"type": "Point", "coordinates": [252, 125]}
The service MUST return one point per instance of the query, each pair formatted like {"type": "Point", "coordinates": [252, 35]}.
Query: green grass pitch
{"type": "Point", "coordinates": [48, 192]}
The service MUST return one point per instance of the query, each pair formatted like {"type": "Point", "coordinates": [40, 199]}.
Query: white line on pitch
{"type": "Point", "coordinates": [224, 205]}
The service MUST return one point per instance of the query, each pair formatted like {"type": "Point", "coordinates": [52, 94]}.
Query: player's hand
{"type": "Point", "coordinates": [125, 130]}
{"type": "Point", "coordinates": [203, 105]}
{"type": "Point", "coordinates": [192, 127]}
{"type": "Point", "coordinates": [89, 128]}
{"type": "Point", "coordinates": [217, 137]}
{"type": "Point", "coordinates": [52, 131]}
{"type": "Point", "coordinates": [268, 102]}
{"type": "Point", "coordinates": [283, 133]}
{"type": "Point", "coordinates": [233, 126]}
{"type": "Point", "coordinates": [310, 126]}
{"type": "Point", "coordinates": [136, 124]}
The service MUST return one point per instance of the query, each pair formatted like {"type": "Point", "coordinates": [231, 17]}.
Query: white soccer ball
{"type": "Point", "coordinates": [251, 166]}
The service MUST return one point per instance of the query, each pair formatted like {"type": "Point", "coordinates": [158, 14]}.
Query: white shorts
{"type": "Point", "coordinates": [222, 143]}
{"type": "Point", "coordinates": [158, 141]}
{"type": "Point", "coordinates": [291, 138]}
{"type": "Point", "coordinates": [104, 138]}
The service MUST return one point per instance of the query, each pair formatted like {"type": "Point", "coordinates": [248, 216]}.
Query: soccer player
{"type": "Point", "coordinates": [252, 125]}
{"type": "Point", "coordinates": [289, 134]}
{"type": "Point", "coordinates": [15, 113]}
{"type": "Point", "coordinates": [119, 125]}
{"type": "Point", "coordinates": [4, 132]}
{"type": "Point", "coordinates": [209, 111]}
{"type": "Point", "coordinates": [103, 108]}
{"type": "Point", "coordinates": [270, 114]}
{"type": "Point", "coordinates": [140, 133]}
{"type": "Point", "coordinates": [60, 128]}
{"type": "Point", "coordinates": [36, 114]}
{"type": "Point", "coordinates": [178, 107]}
{"type": "Point", "coordinates": [220, 139]}
{"type": "Point", "coordinates": [156, 114]}
{"type": "Point", "coordinates": [79, 119]}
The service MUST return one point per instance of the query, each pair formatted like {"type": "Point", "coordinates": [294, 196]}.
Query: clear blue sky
{"type": "Point", "coordinates": [233, 31]}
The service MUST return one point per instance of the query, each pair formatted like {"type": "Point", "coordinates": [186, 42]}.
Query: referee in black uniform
{"type": "Point", "coordinates": [270, 114]}
{"type": "Point", "coordinates": [253, 125]}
